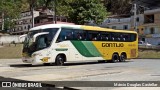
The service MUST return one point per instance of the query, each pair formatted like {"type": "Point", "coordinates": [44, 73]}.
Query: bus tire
{"type": "Point", "coordinates": [123, 57]}
{"type": "Point", "coordinates": [59, 60]}
{"type": "Point", "coordinates": [46, 64]}
{"type": "Point", "coordinates": [115, 58]}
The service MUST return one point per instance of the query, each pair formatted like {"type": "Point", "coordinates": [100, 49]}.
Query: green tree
{"type": "Point", "coordinates": [9, 10]}
{"type": "Point", "coordinates": [118, 6]}
{"type": "Point", "coordinates": [78, 11]}
{"type": "Point", "coordinates": [63, 7]}
{"type": "Point", "coordinates": [84, 11]}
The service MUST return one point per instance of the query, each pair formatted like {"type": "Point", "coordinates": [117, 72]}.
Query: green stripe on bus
{"type": "Point", "coordinates": [81, 48]}
{"type": "Point", "coordinates": [91, 48]}
{"type": "Point", "coordinates": [61, 49]}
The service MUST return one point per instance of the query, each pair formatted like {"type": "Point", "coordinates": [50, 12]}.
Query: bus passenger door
{"type": "Point", "coordinates": [74, 55]}
{"type": "Point", "coordinates": [77, 56]}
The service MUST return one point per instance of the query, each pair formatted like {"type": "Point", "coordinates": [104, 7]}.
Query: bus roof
{"type": "Point", "coordinates": [96, 28]}
{"type": "Point", "coordinates": [54, 26]}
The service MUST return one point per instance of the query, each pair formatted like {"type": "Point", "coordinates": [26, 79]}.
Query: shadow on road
{"type": "Point", "coordinates": [25, 65]}
{"type": "Point", "coordinates": [66, 64]}
{"type": "Point", "coordinates": [87, 63]}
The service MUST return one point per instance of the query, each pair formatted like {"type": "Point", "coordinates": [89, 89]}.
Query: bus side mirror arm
{"type": "Point", "coordinates": [39, 34]}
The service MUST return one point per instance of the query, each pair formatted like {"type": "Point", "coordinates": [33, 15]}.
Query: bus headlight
{"type": "Point", "coordinates": [36, 54]}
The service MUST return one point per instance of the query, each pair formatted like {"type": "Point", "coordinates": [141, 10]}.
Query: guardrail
{"type": "Point", "coordinates": [149, 47]}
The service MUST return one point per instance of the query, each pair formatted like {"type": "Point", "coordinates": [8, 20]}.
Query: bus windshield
{"type": "Point", "coordinates": [41, 42]}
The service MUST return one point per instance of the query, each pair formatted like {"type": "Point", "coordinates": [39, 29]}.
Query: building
{"type": "Point", "coordinates": [47, 17]}
{"type": "Point", "coordinates": [148, 23]}
{"type": "Point", "coordinates": [24, 23]}
{"type": "Point", "coordinates": [139, 24]}
{"type": "Point", "coordinates": [41, 17]}
{"type": "Point", "coordinates": [152, 26]}
{"type": "Point", "coordinates": [148, 26]}
{"type": "Point", "coordinates": [122, 22]}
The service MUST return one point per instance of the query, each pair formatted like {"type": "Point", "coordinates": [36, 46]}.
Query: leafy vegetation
{"type": "Point", "coordinates": [9, 10]}
{"type": "Point", "coordinates": [119, 6]}
{"type": "Point", "coordinates": [78, 11]}
{"type": "Point", "coordinates": [84, 11]}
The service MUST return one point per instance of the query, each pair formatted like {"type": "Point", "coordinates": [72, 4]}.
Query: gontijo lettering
{"type": "Point", "coordinates": [112, 45]}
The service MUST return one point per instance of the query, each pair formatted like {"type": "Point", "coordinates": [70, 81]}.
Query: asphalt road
{"type": "Point", "coordinates": [132, 70]}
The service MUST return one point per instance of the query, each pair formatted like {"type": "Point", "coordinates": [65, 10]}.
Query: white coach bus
{"type": "Point", "coordinates": [58, 43]}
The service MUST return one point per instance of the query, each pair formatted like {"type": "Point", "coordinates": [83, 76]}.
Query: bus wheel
{"type": "Point", "coordinates": [59, 60]}
{"type": "Point", "coordinates": [115, 58]}
{"type": "Point", "coordinates": [46, 64]}
{"type": "Point", "coordinates": [123, 57]}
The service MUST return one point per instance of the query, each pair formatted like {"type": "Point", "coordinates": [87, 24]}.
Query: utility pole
{"type": "Point", "coordinates": [52, 12]}
{"type": "Point", "coordinates": [2, 27]}
{"type": "Point", "coordinates": [32, 11]}
{"type": "Point", "coordinates": [135, 17]}
{"type": "Point", "coordinates": [55, 11]}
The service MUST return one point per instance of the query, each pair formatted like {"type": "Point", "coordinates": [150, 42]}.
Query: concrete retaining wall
{"type": "Point", "coordinates": [11, 39]}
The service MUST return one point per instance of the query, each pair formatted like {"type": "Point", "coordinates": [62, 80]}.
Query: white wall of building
{"type": "Point", "coordinates": [152, 11]}
{"type": "Point", "coordinates": [148, 29]}
{"type": "Point", "coordinates": [117, 23]}
{"type": "Point", "coordinates": [140, 20]}
{"type": "Point", "coordinates": [10, 39]}
{"type": "Point", "coordinates": [24, 23]}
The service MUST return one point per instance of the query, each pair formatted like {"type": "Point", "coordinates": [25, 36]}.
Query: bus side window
{"type": "Point", "coordinates": [62, 36]}
{"type": "Point", "coordinates": [98, 36]}
{"type": "Point", "coordinates": [127, 38]}
{"type": "Point", "coordinates": [104, 36]}
{"type": "Point", "coordinates": [85, 35]}
{"type": "Point", "coordinates": [68, 36]}
{"type": "Point", "coordinates": [122, 37]}
{"type": "Point", "coordinates": [118, 37]}
{"type": "Point", "coordinates": [77, 35]}
{"type": "Point", "coordinates": [65, 34]}
{"type": "Point", "coordinates": [112, 37]}
{"type": "Point", "coordinates": [133, 37]}
{"type": "Point", "coordinates": [108, 36]}
{"type": "Point", "coordinates": [93, 35]}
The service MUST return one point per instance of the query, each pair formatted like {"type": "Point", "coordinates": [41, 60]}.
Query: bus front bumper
{"type": "Point", "coordinates": [27, 60]}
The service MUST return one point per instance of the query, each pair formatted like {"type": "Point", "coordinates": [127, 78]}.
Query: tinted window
{"type": "Point", "coordinates": [42, 41]}
{"type": "Point", "coordinates": [72, 34]}
{"type": "Point", "coordinates": [65, 34]}
{"type": "Point", "coordinates": [85, 35]}
{"type": "Point", "coordinates": [80, 35]}
{"type": "Point", "coordinates": [105, 36]}
{"type": "Point", "coordinates": [133, 37]}
{"type": "Point", "coordinates": [50, 36]}
{"type": "Point", "coordinates": [93, 35]}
